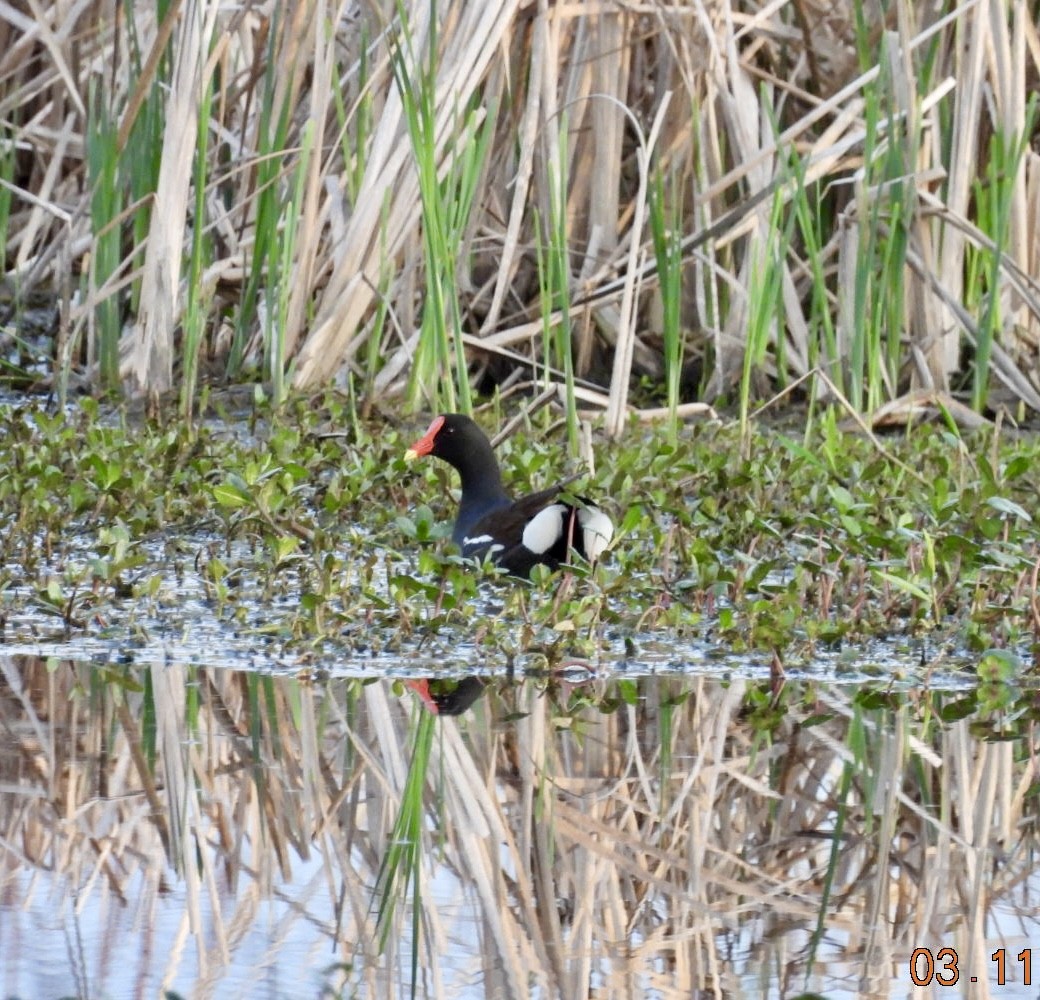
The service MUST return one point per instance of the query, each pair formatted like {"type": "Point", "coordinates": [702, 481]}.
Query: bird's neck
{"type": "Point", "coordinates": [482, 492]}
{"type": "Point", "coordinates": [480, 474]}
{"type": "Point", "coordinates": [483, 480]}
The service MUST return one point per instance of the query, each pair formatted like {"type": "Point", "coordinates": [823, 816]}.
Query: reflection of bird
{"type": "Point", "coordinates": [446, 695]}
{"type": "Point", "coordinates": [517, 534]}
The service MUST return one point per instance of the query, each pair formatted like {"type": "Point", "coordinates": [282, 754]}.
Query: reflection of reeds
{"type": "Point", "coordinates": [678, 844]}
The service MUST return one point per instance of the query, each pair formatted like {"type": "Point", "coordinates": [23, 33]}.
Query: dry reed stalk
{"type": "Point", "coordinates": [345, 300]}
{"type": "Point", "coordinates": [148, 349]}
{"type": "Point", "coordinates": [307, 265]}
{"type": "Point", "coordinates": [619, 383]}
{"type": "Point", "coordinates": [967, 111]}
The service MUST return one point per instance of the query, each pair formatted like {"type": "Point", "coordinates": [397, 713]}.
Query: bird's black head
{"type": "Point", "coordinates": [452, 437]}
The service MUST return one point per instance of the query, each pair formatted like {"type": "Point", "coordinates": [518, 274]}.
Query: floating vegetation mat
{"type": "Point", "coordinates": [302, 541]}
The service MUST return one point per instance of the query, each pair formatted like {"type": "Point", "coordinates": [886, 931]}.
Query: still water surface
{"type": "Point", "coordinates": [179, 827]}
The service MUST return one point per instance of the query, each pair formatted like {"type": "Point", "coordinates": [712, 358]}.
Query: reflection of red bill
{"type": "Point", "coordinates": [444, 696]}
{"type": "Point", "coordinates": [422, 689]}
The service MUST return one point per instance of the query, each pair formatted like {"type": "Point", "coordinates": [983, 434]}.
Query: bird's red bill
{"type": "Point", "coordinates": [422, 689]}
{"type": "Point", "coordinates": [425, 444]}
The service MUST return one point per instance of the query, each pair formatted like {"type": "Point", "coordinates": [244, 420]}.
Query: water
{"type": "Point", "coordinates": [198, 796]}
{"type": "Point", "coordinates": [167, 824]}
{"type": "Point", "coordinates": [178, 619]}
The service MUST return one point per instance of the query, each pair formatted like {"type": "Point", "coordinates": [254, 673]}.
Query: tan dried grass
{"type": "Point", "coordinates": [602, 65]}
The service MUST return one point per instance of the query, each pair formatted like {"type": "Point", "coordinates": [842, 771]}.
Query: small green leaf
{"type": "Point", "coordinates": [904, 585]}
{"type": "Point", "coordinates": [230, 494]}
{"type": "Point", "coordinates": [841, 497]}
{"type": "Point", "coordinates": [959, 709]}
{"type": "Point", "coordinates": [997, 665]}
{"type": "Point", "coordinates": [1006, 506]}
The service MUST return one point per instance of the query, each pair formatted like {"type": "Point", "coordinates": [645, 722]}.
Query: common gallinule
{"type": "Point", "coordinates": [447, 696]}
{"type": "Point", "coordinates": [517, 534]}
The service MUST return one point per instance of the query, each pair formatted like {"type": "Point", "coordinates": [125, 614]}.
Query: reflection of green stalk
{"type": "Point", "coordinates": [402, 859]}
{"type": "Point", "coordinates": [149, 726]}
{"type": "Point", "coordinates": [848, 776]}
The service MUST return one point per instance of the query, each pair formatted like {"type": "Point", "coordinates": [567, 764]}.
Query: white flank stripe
{"type": "Point", "coordinates": [479, 540]}
{"type": "Point", "coordinates": [543, 531]}
{"type": "Point", "coordinates": [596, 531]}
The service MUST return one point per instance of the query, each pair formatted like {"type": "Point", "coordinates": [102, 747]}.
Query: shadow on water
{"type": "Point", "coordinates": [219, 833]}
